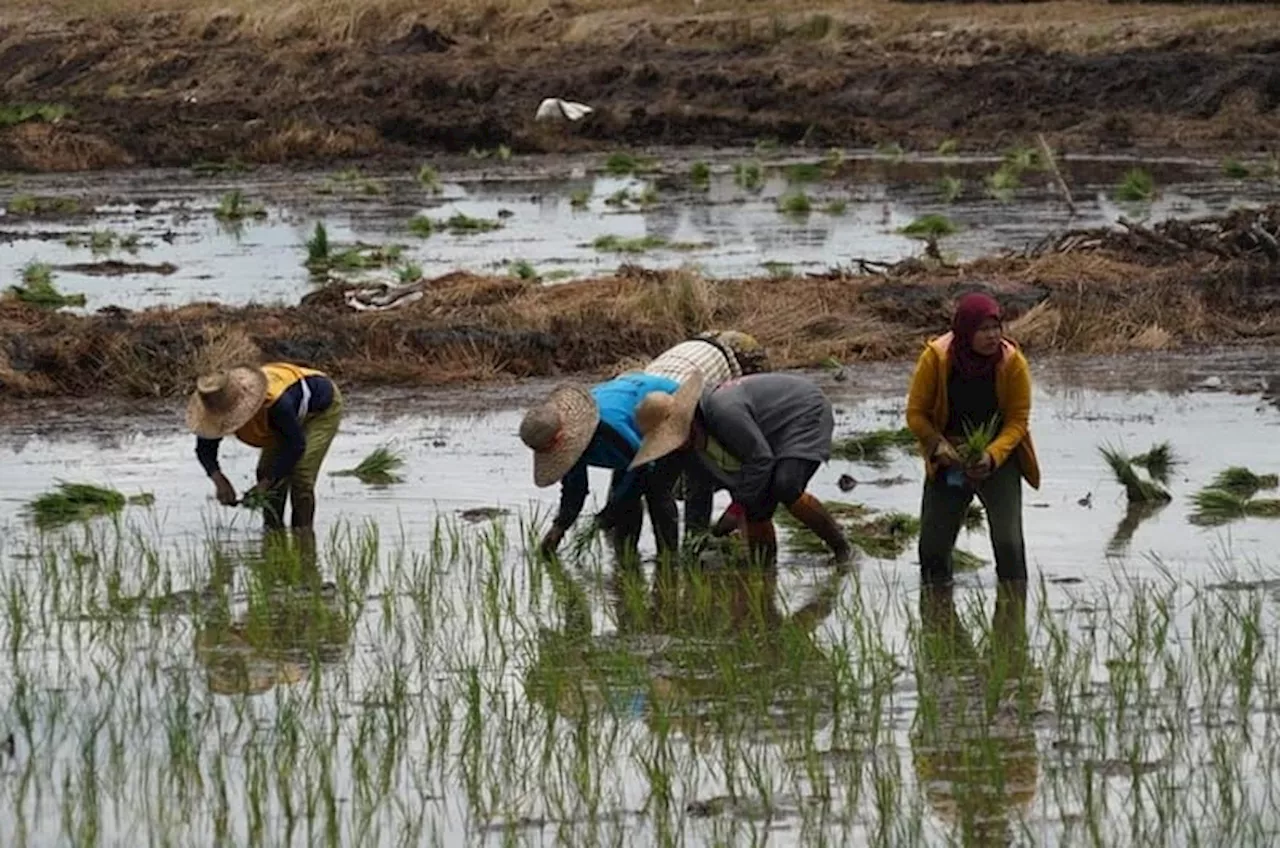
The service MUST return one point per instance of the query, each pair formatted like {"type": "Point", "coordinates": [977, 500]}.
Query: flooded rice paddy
{"type": "Point", "coordinates": [560, 218]}
{"type": "Point", "coordinates": [169, 678]}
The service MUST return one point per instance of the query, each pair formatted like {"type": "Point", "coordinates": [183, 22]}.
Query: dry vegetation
{"type": "Point", "coordinates": [485, 328]}
{"type": "Point", "coordinates": [177, 81]}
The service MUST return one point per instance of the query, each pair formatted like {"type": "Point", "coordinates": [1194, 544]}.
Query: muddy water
{"type": "Point", "coordinates": [726, 229]}
{"type": "Point", "coordinates": [462, 454]}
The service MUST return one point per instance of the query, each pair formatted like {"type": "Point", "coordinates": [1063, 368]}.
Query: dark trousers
{"type": "Point", "coordinates": [655, 488]}
{"type": "Point", "coordinates": [942, 514]}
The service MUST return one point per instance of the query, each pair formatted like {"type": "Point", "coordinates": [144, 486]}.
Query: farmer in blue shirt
{"type": "Point", "coordinates": [574, 429]}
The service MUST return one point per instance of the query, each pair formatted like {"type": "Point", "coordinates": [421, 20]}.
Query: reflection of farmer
{"type": "Point", "coordinates": [761, 437]}
{"type": "Point", "coordinates": [963, 381]}
{"type": "Point", "coordinates": [973, 746]}
{"type": "Point", "coordinates": [574, 429]}
{"type": "Point", "coordinates": [291, 621]}
{"type": "Point", "coordinates": [291, 413]}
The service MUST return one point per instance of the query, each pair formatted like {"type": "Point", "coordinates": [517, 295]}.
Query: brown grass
{"type": "Point", "coordinates": [470, 328]}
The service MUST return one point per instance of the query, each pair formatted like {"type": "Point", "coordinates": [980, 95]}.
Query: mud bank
{"type": "Point", "coordinates": [1106, 291]}
{"type": "Point", "coordinates": [148, 88]}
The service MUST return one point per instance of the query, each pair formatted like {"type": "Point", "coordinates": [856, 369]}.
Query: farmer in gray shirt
{"type": "Point", "coordinates": [761, 437]}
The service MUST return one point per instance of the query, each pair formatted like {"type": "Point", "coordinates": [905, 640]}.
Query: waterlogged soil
{"type": "Point", "coordinates": [549, 214]}
{"type": "Point", "coordinates": [452, 690]}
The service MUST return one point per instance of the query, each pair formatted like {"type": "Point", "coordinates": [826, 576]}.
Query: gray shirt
{"type": "Point", "coordinates": [752, 422]}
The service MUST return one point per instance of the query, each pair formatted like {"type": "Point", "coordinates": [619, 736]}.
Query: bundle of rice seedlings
{"type": "Point", "coordinates": [1243, 482]}
{"type": "Point", "coordinates": [1136, 489]}
{"type": "Point", "coordinates": [965, 561]}
{"type": "Point", "coordinates": [376, 469]}
{"type": "Point", "coordinates": [977, 440]}
{"type": "Point", "coordinates": [974, 517]}
{"type": "Point", "coordinates": [873, 446]}
{"type": "Point", "coordinates": [1159, 461]}
{"type": "Point", "coordinates": [886, 536]}
{"type": "Point", "coordinates": [1219, 506]}
{"type": "Point", "coordinates": [38, 289]}
{"type": "Point", "coordinates": [78, 502]}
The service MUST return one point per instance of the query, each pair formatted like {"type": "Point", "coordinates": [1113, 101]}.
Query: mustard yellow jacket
{"type": "Point", "coordinates": [927, 406]}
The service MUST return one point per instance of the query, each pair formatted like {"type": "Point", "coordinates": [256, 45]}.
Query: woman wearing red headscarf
{"type": "Point", "coordinates": [964, 380]}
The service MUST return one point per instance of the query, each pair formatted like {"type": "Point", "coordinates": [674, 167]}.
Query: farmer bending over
{"type": "Point", "coordinates": [291, 413]}
{"type": "Point", "coordinates": [575, 428]}
{"type": "Point", "coordinates": [761, 437]}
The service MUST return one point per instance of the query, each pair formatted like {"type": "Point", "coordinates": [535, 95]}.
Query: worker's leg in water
{"type": "Point", "coordinates": [658, 484]}
{"type": "Point", "coordinates": [627, 516]}
{"type": "Point", "coordinates": [790, 480]}
{"type": "Point", "coordinates": [942, 511]}
{"type": "Point", "coordinates": [762, 539]}
{"type": "Point", "coordinates": [276, 496]}
{"type": "Point", "coordinates": [1001, 494]}
{"type": "Point", "coordinates": [320, 430]}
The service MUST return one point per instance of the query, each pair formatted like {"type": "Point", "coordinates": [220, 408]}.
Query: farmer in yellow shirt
{"type": "Point", "coordinates": [291, 413]}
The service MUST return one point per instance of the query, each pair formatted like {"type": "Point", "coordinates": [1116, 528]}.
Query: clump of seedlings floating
{"type": "Point", "coordinates": [1242, 482]}
{"type": "Point", "coordinates": [38, 289]}
{"type": "Point", "coordinates": [1218, 506]}
{"type": "Point", "coordinates": [873, 446]}
{"type": "Point", "coordinates": [1159, 461]}
{"type": "Point", "coordinates": [323, 256]}
{"type": "Point", "coordinates": [1137, 488]}
{"type": "Point", "coordinates": [621, 244]}
{"type": "Point", "coordinates": [930, 226]}
{"type": "Point", "coordinates": [458, 224]}
{"type": "Point", "coordinates": [878, 535]}
{"type": "Point", "coordinates": [377, 469]}
{"type": "Point", "coordinates": [234, 207]}
{"type": "Point", "coordinates": [72, 502]}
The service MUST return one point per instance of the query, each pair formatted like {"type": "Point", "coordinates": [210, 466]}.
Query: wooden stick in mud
{"type": "Point", "coordinates": [1051, 162]}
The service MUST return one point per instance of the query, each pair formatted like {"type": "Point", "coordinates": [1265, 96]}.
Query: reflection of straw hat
{"type": "Point", "coordinates": [665, 419]}
{"type": "Point", "coordinates": [224, 401]}
{"type": "Point", "coordinates": [558, 432]}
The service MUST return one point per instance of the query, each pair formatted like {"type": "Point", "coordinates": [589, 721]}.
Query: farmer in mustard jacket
{"type": "Point", "coordinates": [970, 378]}
{"type": "Point", "coordinates": [291, 413]}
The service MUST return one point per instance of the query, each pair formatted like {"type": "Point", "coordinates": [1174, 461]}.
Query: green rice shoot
{"type": "Point", "coordinates": [977, 440]}
{"type": "Point", "coordinates": [1242, 482]}
{"type": "Point", "coordinates": [377, 469]}
{"type": "Point", "coordinates": [872, 446]}
{"type": "Point", "coordinates": [72, 502]}
{"type": "Point", "coordinates": [1159, 461]}
{"type": "Point", "coordinates": [1137, 489]}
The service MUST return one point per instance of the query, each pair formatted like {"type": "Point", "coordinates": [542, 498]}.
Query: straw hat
{"type": "Point", "coordinates": [224, 401]}
{"type": "Point", "coordinates": [664, 420]}
{"type": "Point", "coordinates": [558, 431]}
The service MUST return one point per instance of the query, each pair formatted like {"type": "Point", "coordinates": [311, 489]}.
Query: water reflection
{"type": "Point", "coordinates": [973, 745]}
{"type": "Point", "coordinates": [285, 623]}
{"type": "Point", "coordinates": [704, 651]}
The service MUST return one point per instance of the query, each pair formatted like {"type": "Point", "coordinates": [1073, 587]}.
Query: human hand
{"type": "Point", "coordinates": [945, 454]}
{"type": "Point", "coordinates": [226, 492]}
{"type": "Point", "coordinates": [981, 469]}
{"type": "Point", "coordinates": [551, 541]}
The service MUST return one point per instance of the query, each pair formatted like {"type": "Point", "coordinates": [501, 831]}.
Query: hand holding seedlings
{"type": "Point", "coordinates": [226, 492]}
{"type": "Point", "coordinates": [945, 454]}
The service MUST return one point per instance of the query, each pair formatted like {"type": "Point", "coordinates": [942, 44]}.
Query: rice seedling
{"type": "Point", "coordinates": [1159, 461]}
{"type": "Point", "coordinates": [1243, 482]}
{"type": "Point", "coordinates": [833, 161]}
{"type": "Point", "coordinates": [318, 248]}
{"type": "Point", "coordinates": [38, 289]}
{"type": "Point", "coordinates": [503, 153]}
{"type": "Point", "coordinates": [767, 145]}
{"type": "Point", "coordinates": [422, 226]}
{"type": "Point", "coordinates": [1137, 489]}
{"type": "Point", "coordinates": [748, 176]}
{"type": "Point", "coordinates": [962, 560]}
{"type": "Point", "coordinates": [208, 168]}
{"type": "Point", "coordinates": [621, 164]}
{"type": "Point", "coordinates": [102, 241]}
{"type": "Point", "coordinates": [948, 147]}
{"type": "Point", "coordinates": [950, 188]}
{"type": "Point", "coordinates": [429, 178]}
{"type": "Point", "coordinates": [779, 270]}
{"type": "Point", "coordinates": [804, 172]}
{"type": "Point", "coordinates": [460, 224]}
{"type": "Point", "coordinates": [72, 502]}
{"type": "Point", "coordinates": [1235, 169]}
{"type": "Point", "coordinates": [619, 198]}
{"type": "Point", "coordinates": [409, 273]}
{"type": "Point", "coordinates": [836, 207]}
{"type": "Point", "coordinates": [40, 206]}
{"type": "Point", "coordinates": [649, 196]}
{"type": "Point", "coordinates": [620, 244]}
{"type": "Point", "coordinates": [1002, 184]}
{"type": "Point", "coordinates": [797, 203]}
{"type": "Point", "coordinates": [873, 446]}
{"type": "Point", "coordinates": [700, 175]}
{"type": "Point", "coordinates": [580, 198]}
{"type": "Point", "coordinates": [1138, 186]}
{"type": "Point", "coordinates": [931, 226]}
{"type": "Point", "coordinates": [13, 114]}
{"type": "Point", "coordinates": [892, 151]}
{"type": "Point", "coordinates": [1024, 159]}
{"type": "Point", "coordinates": [524, 270]}
{"type": "Point", "coordinates": [130, 242]}
{"type": "Point", "coordinates": [977, 439]}
{"type": "Point", "coordinates": [376, 469]}
{"type": "Point", "coordinates": [234, 207]}
{"type": "Point", "coordinates": [974, 517]}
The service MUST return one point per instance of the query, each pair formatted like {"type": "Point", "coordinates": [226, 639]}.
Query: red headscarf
{"type": "Point", "coordinates": [972, 311]}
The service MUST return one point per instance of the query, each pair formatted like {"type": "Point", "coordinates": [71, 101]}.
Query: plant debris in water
{"type": "Point", "coordinates": [1242, 482]}
{"type": "Point", "coordinates": [872, 446]}
{"type": "Point", "coordinates": [71, 502]}
{"type": "Point", "coordinates": [376, 469]}
{"type": "Point", "coordinates": [1136, 488]}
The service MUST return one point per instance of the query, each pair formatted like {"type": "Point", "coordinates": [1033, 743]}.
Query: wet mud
{"type": "Point", "coordinates": [158, 89]}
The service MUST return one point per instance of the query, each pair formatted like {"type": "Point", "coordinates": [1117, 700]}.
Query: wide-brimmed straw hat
{"type": "Point", "coordinates": [558, 431]}
{"type": "Point", "coordinates": [224, 401]}
{"type": "Point", "coordinates": [664, 420]}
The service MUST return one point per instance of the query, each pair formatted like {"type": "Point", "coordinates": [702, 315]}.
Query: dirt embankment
{"type": "Point", "coordinates": [1180, 284]}
{"type": "Point", "coordinates": [152, 88]}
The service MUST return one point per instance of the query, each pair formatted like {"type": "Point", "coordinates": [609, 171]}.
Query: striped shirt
{"type": "Point", "coordinates": [681, 361]}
